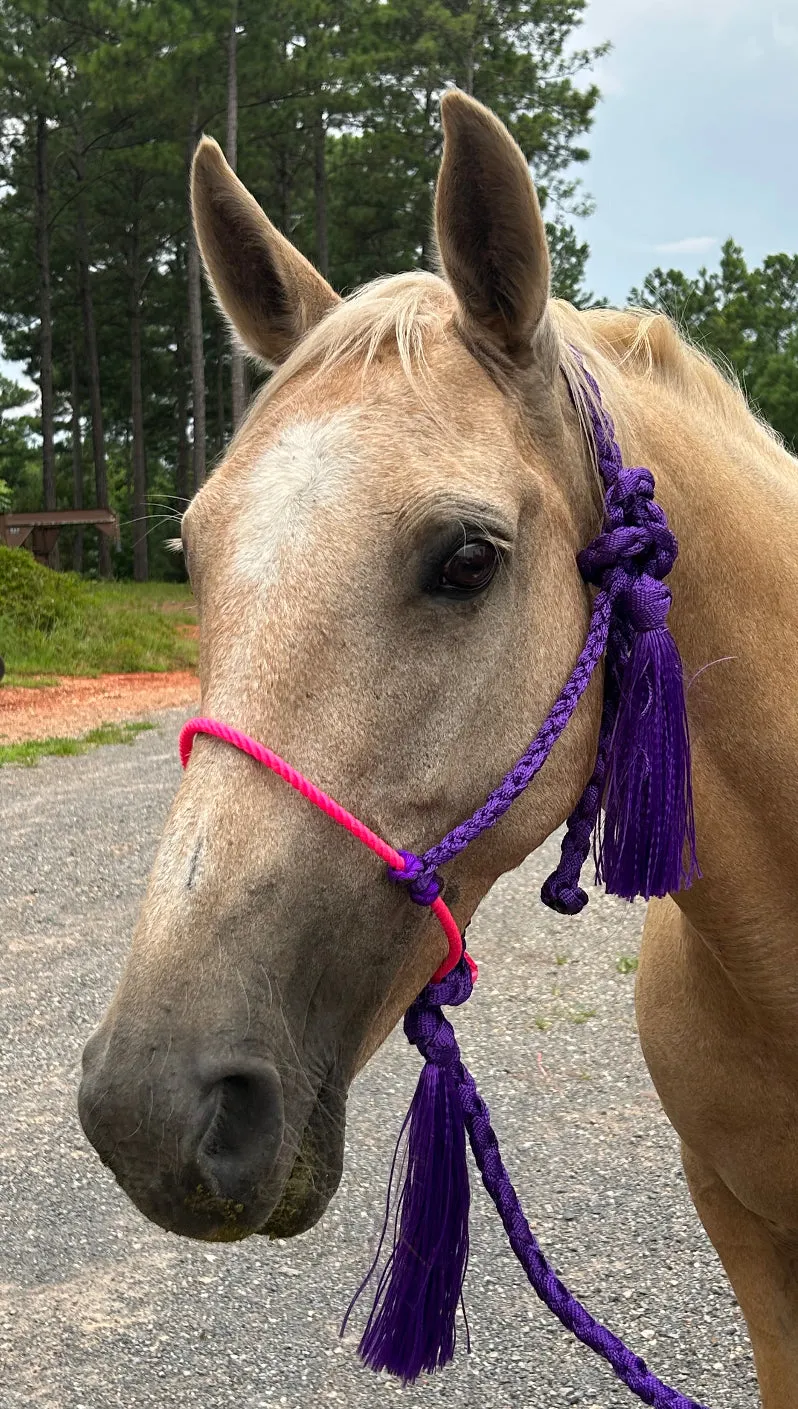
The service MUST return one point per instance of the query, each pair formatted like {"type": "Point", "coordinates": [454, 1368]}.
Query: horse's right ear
{"type": "Point", "coordinates": [268, 290]}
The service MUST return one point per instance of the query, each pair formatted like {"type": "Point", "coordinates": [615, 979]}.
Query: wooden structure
{"type": "Point", "coordinates": [44, 526]}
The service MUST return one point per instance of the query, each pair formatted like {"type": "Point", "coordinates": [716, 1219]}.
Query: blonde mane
{"type": "Point", "coordinates": [403, 310]}
{"type": "Point", "coordinates": [620, 347]}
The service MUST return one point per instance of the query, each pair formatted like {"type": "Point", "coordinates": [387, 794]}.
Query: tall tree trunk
{"type": "Point", "coordinates": [468, 71]}
{"type": "Point", "coordinates": [320, 192]}
{"type": "Point", "coordinates": [221, 368]}
{"type": "Point", "coordinates": [237, 368]}
{"type": "Point", "coordinates": [426, 198]}
{"type": "Point", "coordinates": [472, 9]}
{"type": "Point", "coordinates": [77, 461]}
{"type": "Point", "coordinates": [92, 365]}
{"type": "Point", "coordinates": [284, 186]}
{"type": "Point", "coordinates": [181, 464]}
{"type": "Point", "coordinates": [45, 319]}
{"type": "Point", "coordinates": [137, 417]}
{"type": "Point", "coordinates": [196, 340]}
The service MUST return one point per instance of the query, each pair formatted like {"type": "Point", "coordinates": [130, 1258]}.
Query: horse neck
{"type": "Point", "coordinates": [731, 496]}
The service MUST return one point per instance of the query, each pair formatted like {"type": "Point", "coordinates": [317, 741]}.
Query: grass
{"type": "Point", "coordinates": [28, 754]}
{"type": "Point", "coordinates": [581, 1015]}
{"type": "Point", "coordinates": [54, 624]}
{"type": "Point", "coordinates": [626, 964]}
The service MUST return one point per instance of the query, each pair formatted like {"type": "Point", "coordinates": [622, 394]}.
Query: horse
{"type": "Point", "coordinates": [385, 572]}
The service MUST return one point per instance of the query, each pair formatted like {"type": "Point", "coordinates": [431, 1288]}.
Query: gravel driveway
{"type": "Point", "coordinates": [100, 1309]}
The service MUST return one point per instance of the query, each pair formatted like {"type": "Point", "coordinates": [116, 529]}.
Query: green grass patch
{"type": "Point", "coordinates": [626, 964]}
{"type": "Point", "coordinates": [55, 623]}
{"type": "Point", "coordinates": [29, 753]}
{"type": "Point", "coordinates": [31, 682]}
{"type": "Point", "coordinates": [581, 1015]}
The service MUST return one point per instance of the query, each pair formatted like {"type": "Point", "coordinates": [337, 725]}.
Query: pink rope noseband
{"type": "Point", "coordinates": [339, 814]}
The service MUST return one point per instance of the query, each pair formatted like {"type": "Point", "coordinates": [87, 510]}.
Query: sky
{"type": "Point", "coordinates": [695, 138]}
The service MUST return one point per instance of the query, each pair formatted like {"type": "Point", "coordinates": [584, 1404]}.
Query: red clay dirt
{"type": "Point", "coordinates": [76, 705]}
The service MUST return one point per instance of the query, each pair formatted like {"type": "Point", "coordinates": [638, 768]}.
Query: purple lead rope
{"type": "Point", "coordinates": [426, 1013]}
{"type": "Point", "coordinates": [641, 780]}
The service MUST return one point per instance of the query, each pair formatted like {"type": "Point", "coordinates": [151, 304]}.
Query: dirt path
{"type": "Point", "coordinates": [76, 705]}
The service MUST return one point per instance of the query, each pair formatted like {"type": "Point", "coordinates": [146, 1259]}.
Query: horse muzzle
{"type": "Point", "coordinates": [198, 1141]}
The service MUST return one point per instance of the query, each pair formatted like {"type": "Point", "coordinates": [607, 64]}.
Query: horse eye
{"type": "Point", "coordinates": [471, 568]}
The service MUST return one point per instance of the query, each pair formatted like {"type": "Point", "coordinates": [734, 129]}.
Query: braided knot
{"type": "Point", "coordinates": [630, 484]}
{"type": "Point", "coordinates": [562, 895]}
{"type": "Point", "coordinates": [455, 988]}
{"type": "Point", "coordinates": [425, 1025]}
{"type": "Point", "coordinates": [422, 885]}
{"type": "Point", "coordinates": [634, 550]}
{"type": "Point", "coordinates": [645, 603]}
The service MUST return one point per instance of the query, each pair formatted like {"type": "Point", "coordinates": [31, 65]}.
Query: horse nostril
{"type": "Point", "coordinates": [243, 1130]}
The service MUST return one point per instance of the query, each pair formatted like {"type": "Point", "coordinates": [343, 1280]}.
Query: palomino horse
{"type": "Point", "coordinates": [388, 596]}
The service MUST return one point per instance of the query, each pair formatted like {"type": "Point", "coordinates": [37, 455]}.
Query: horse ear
{"type": "Point", "coordinates": [490, 232]}
{"type": "Point", "coordinates": [268, 290]}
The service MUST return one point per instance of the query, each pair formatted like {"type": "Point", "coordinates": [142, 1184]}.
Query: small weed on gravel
{"type": "Point", "coordinates": [626, 964]}
{"type": "Point", "coordinates": [581, 1015]}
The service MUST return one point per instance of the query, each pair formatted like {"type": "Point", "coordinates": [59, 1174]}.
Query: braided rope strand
{"type": "Point", "coordinates": [530, 762]}
{"type": "Point", "coordinates": [430, 1031]}
{"type": "Point", "coordinates": [629, 1368]}
{"type": "Point", "coordinates": [561, 890]}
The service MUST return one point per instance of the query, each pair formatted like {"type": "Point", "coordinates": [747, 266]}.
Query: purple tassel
{"type": "Point", "coordinates": [411, 1328]}
{"type": "Point", "coordinates": [648, 842]}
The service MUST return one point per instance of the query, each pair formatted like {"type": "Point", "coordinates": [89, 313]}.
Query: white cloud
{"type": "Point", "coordinates": [693, 244]}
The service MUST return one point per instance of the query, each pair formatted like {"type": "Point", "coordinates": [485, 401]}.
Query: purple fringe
{"type": "Point", "coordinates": [648, 846]}
{"type": "Point", "coordinates": [411, 1328]}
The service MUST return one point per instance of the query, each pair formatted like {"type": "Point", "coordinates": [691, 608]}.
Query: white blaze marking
{"type": "Point", "coordinates": [307, 466]}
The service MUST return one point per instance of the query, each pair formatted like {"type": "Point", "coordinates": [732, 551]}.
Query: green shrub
{"type": "Point", "coordinates": [34, 598]}
{"type": "Point", "coordinates": [59, 624]}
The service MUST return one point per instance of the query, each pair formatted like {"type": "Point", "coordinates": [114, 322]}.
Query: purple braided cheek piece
{"type": "Point", "coordinates": [626, 561]}
{"type": "Point", "coordinates": [530, 763]}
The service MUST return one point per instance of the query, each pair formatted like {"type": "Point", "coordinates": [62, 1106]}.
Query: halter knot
{"type": "Point", "coordinates": [422, 885]}
{"type": "Point", "coordinates": [645, 603]}
{"type": "Point", "coordinates": [640, 543]}
{"type": "Point", "coordinates": [631, 483]}
{"type": "Point", "coordinates": [425, 1025]}
{"type": "Point", "coordinates": [562, 895]}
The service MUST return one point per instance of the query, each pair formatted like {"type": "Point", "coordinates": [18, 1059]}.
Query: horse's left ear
{"type": "Point", "coordinates": [490, 233]}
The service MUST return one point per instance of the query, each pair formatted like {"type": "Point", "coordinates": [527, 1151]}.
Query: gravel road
{"type": "Point", "coordinates": [100, 1309]}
